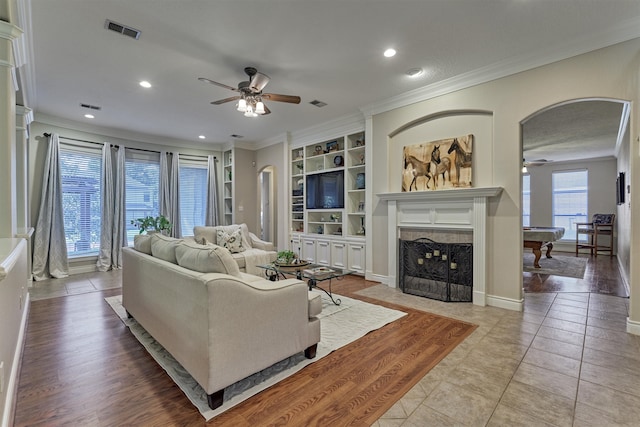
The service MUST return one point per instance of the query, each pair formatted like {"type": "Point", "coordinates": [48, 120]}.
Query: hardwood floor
{"type": "Point", "coordinates": [81, 366]}
{"type": "Point", "coordinates": [602, 276]}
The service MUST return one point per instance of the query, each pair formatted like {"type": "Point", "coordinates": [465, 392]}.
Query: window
{"type": "Point", "coordinates": [570, 200]}
{"type": "Point", "coordinates": [193, 196]}
{"type": "Point", "coordinates": [81, 206]}
{"type": "Point", "coordinates": [142, 188]}
{"type": "Point", "coordinates": [526, 200]}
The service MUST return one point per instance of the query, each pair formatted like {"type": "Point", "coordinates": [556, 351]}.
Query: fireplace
{"type": "Point", "coordinates": [436, 270]}
{"type": "Point", "coordinates": [456, 209]}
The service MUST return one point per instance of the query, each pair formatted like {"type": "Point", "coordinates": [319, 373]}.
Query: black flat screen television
{"type": "Point", "coordinates": [325, 190]}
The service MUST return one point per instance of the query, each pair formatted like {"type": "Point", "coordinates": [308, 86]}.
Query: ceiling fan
{"type": "Point", "coordinates": [250, 97]}
{"type": "Point", "coordinates": [538, 162]}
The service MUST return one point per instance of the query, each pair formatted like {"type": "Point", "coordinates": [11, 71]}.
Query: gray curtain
{"type": "Point", "coordinates": [174, 191]}
{"type": "Point", "coordinates": [112, 225]}
{"type": "Point", "coordinates": [49, 247]}
{"type": "Point", "coordinates": [169, 194]}
{"type": "Point", "coordinates": [106, 217]}
{"type": "Point", "coordinates": [211, 216]}
{"type": "Point", "coordinates": [165, 198]}
{"type": "Point", "coordinates": [119, 214]}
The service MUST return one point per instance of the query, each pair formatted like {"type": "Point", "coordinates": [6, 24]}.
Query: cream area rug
{"type": "Point", "coordinates": [339, 325]}
{"type": "Point", "coordinates": [559, 265]}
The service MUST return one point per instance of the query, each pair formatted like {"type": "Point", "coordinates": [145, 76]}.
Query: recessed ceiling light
{"type": "Point", "coordinates": [414, 72]}
{"type": "Point", "coordinates": [389, 53]}
{"type": "Point", "coordinates": [145, 84]}
{"type": "Point", "coordinates": [202, 137]}
{"type": "Point", "coordinates": [90, 116]}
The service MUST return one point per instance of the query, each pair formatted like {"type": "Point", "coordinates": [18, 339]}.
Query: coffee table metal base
{"type": "Point", "coordinates": [313, 283]}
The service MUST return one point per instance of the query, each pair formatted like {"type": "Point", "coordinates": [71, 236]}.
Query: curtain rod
{"type": "Point", "coordinates": [128, 148]}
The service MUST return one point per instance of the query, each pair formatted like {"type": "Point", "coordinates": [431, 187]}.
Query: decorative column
{"type": "Point", "coordinates": [8, 180]}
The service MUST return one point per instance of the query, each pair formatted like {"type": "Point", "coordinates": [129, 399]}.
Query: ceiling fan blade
{"type": "Point", "coordinates": [206, 80]}
{"type": "Point", "coordinates": [222, 101]}
{"type": "Point", "coordinates": [266, 111]}
{"type": "Point", "coordinates": [282, 98]}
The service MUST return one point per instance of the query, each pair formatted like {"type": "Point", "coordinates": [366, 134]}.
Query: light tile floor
{"type": "Point", "coordinates": [76, 284]}
{"type": "Point", "coordinates": [565, 361]}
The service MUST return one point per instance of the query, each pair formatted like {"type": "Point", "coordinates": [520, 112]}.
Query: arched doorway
{"type": "Point", "coordinates": [580, 140]}
{"type": "Point", "coordinates": [267, 203]}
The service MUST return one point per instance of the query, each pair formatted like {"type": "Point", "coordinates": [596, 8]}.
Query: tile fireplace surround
{"type": "Point", "coordinates": [458, 209]}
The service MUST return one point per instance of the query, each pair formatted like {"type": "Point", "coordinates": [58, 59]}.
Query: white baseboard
{"type": "Point", "coordinates": [633, 327]}
{"type": "Point", "coordinates": [380, 278]}
{"type": "Point", "coordinates": [506, 303]}
{"type": "Point", "coordinates": [479, 298]}
{"type": "Point", "coordinates": [12, 385]}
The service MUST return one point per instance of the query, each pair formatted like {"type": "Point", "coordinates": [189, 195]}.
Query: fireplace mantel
{"type": "Point", "coordinates": [463, 208]}
{"type": "Point", "coordinates": [455, 194]}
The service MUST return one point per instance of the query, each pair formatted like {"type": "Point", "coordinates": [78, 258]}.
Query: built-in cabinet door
{"type": "Point", "coordinates": [356, 257]}
{"type": "Point", "coordinates": [308, 249]}
{"type": "Point", "coordinates": [339, 254]}
{"type": "Point", "coordinates": [323, 252]}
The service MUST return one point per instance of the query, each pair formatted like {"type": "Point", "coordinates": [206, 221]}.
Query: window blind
{"type": "Point", "coordinates": [570, 200]}
{"type": "Point", "coordinates": [193, 196]}
{"type": "Point", "coordinates": [142, 188]}
{"type": "Point", "coordinates": [81, 205]}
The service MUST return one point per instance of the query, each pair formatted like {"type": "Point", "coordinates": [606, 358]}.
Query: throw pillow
{"type": "Point", "coordinates": [206, 259]}
{"type": "Point", "coordinates": [142, 243]}
{"type": "Point", "coordinates": [231, 240]}
{"type": "Point", "coordinates": [164, 247]}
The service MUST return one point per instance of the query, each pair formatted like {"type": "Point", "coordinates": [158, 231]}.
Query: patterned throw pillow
{"type": "Point", "coordinates": [231, 240]}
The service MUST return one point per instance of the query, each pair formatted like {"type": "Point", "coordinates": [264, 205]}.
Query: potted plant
{"type": "Point", "coordinates": [151, 224]}
{"type": "Point", "coordinates": [285, 257]}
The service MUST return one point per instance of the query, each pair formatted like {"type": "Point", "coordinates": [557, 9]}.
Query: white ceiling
{"type": "Point", "coordinates": [329, 50]}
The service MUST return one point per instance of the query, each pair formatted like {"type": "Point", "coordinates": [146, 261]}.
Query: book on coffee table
{"type": "Point", "coordinates": [318, 272]}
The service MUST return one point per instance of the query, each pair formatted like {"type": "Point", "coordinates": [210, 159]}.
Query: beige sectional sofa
{"type": "Point", "coordinates": [221, 324]}
{"type": "Point", "coordinates": [246, 248]}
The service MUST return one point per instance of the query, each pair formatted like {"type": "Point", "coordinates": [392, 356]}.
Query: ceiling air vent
{"type": "Point", "coordinates": [122, 29]}
{"type": "Point", "coordinates": [317, 103]}
{"type": "Point", "coordinates": [91, 107]}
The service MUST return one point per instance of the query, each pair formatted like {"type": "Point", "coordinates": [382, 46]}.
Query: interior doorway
{"type": "Point", "coordinates": [267, 203]}
{"type": "Point", "coordinates": [565, 139]}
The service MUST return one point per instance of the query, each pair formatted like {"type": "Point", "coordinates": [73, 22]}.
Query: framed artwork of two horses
{"type": "Point", "coordinates": [438, 165]}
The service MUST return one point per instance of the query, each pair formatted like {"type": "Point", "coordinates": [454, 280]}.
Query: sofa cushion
{"type": "Point", "coordinates": [315, 304]}
{"type": "Point", "coordinates": [231, 239]}
{"type": "Point", "coordinates": [142, 243]}
{"type": "Point", "coordinates": [206, 258]}
{"type": "Point", "coordinates": [164, 247]}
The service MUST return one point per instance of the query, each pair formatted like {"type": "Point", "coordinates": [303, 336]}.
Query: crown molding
{"type": "Point", "coordinates": [626, 31]}
{"type": "Point", "coordinates": [342, 126]}
{"type": "Point", "coordinates": [123, 134]}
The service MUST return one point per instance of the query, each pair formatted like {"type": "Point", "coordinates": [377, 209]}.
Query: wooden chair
{"type": "Point", "coordinates": [600, 225]}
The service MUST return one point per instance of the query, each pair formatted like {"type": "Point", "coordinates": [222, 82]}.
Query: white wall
{"type": "Point", "coordinates": [610, 72]}
{"type": "Point", "coordinates": [623, 218]}
{"type": "Point", "coordinates": [13, 318]}
{"type": "Point", "coordinates": [602, 197]}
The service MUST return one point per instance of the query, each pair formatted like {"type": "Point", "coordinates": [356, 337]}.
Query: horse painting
{"type": "Point", "coordinates": [462, 160]}
{"type": "Point", "coordinates": [419, 168]}
{"type": "Point", "coordinates": [439, 166]}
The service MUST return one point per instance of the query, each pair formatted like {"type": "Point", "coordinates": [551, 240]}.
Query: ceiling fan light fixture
{"type": "Point", "coordinates": [249, 112]}
{"type": "Point", "coordinates": [260, 107]}
{"type": "Point", "coordinates": [242, 105]}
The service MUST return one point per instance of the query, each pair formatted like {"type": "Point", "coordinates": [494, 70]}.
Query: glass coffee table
{"type": "Point", "coordinates": [312, 273]}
